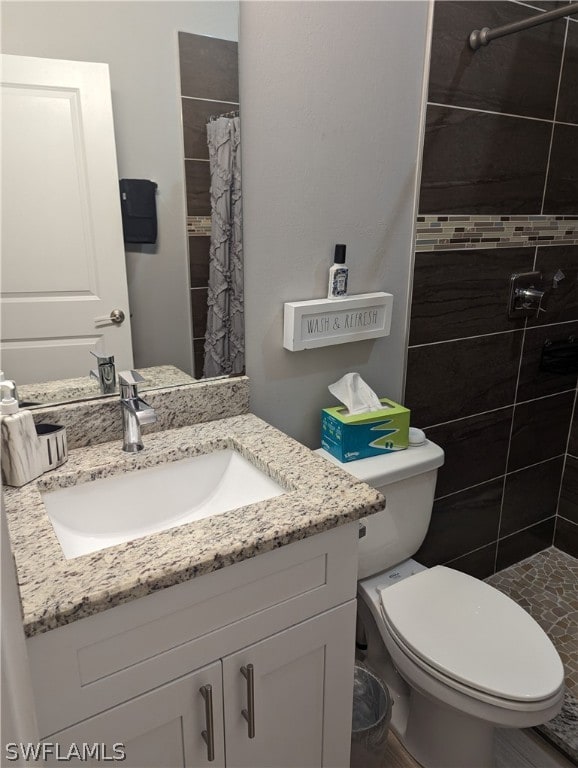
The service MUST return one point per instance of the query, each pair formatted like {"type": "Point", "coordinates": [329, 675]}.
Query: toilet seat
{"type": "Point", "coordinates": [470, 636]}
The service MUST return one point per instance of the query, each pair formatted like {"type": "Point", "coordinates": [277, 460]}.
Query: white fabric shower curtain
{"type": "Point", "coordinates": [225, 336]}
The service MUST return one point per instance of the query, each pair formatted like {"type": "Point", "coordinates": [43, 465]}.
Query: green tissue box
{"type": "Point", "coordinates": [366, 434]}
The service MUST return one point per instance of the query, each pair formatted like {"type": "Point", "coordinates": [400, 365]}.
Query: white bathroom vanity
{"type": "Point", "coordinates": [225, 641]}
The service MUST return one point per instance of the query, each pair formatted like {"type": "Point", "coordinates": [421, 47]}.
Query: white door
{"type": "Point", "coordinates": [160, 729]}
{"type": "Point", "coordinates": [302, 689]}
{"type": "Point", "coordinates": [63, 260]}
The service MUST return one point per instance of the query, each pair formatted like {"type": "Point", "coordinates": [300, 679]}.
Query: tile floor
{"type": "Point", "coordinates": [514, 749]}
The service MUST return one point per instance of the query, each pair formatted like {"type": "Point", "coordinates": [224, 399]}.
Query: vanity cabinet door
{"type": "Point", "coordinates": [162, 728]}
{"type": "Point", "coordinates": [299, 696]}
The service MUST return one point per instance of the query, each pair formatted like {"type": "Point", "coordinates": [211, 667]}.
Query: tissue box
{"type": "Point", "coordinates": [366, 434]}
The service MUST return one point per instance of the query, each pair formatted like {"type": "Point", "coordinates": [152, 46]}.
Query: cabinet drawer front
{"type": "Point", "coordinates": [98, 662]}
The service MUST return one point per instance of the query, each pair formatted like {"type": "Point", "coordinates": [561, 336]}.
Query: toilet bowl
{"type": "Point", "coordinates": [459, 657]}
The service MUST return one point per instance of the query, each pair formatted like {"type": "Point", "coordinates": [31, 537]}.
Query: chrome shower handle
{"type": "Point", "coordinates": [528, 295]}
{"type": "Point", "coordinates": [531, 298]}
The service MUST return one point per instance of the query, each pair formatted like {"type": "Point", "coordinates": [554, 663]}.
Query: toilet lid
{"type": "Point", "coordinates": [472, 633]}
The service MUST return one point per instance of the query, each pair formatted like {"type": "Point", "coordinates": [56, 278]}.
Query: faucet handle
{"type": "Point", "coordinates": [106, 373]}
{"type": "Point", "coordinates": [129, 381]}
{"type": "Point", "coordinates": [102, 358]}
{"type": "Point", "coordinates": [130, 377]}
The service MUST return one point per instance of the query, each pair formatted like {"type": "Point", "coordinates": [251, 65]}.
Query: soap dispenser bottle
{"type": "Point", "coordinates": [338, 274]}
{"type": "Point", "coordinates": [21, 455]}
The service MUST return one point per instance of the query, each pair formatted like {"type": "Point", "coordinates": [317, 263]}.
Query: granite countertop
{"type": "Point", "coordinates": [55, 591]}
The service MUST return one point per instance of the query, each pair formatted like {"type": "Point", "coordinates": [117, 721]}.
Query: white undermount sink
{"type": "Point", "coordinates": [100, 514]}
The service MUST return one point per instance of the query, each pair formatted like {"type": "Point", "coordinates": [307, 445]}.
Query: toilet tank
{"type": "Point", "coordinates": [407, 479]}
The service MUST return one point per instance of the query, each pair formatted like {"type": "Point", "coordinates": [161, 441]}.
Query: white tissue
{"type": "Point", "coordinates": [355, 394]}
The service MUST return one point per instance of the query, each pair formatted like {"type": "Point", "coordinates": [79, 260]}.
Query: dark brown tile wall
{"type": "Point", "coordinates": [532, 80]}
{"type": "Point", "coordinates": [209, 86]}
{"type": "Point", "coordinates": [540, 430]}
{"type": "Point", "coordinates": [491, 115]}
{"type": "Point", "coordinates": [199, 261]}
{"type": "Point", "coordinates": [474, 380]}
{"type": "Point", "coordinates": [568, 96]}
{"type": "Point", "coordinates": [469, 166]}
{"type": "Point", "coordinates": [563, 300]}
{"type": "Point", "coordinates": [568, 507]}
{"type": "Point", "coordinates": [461, 522]}
{"type": "Point", "coordinates": [209, 68]}
{"type": "Point", "coordinates": [534, 382]}
{"type": "Point", "coordinates": [462, 378]}
{"type": "Point", "coordinates": [438, 312]}
{"type": "Point", "coordinates": [566, 536]}
{"type": "Point", "coordinates": [468, 461]}
{"type": "Point", "coordinates": [541, 483]}
{"type": "Point", "coordinates": [199, 353]}
{"type": "Point", "coordinates": [573, 442]}
{"type": "Point", "coordinates": [198, 182]}
{"type": "Point", "coordinates": [519, 546]}
{"type": "Point", "coordinates": [196, 114]}
{"type": "Point", "coordinates": [478, 563]}
{"type": "Point", "coordinates": [199, 304]}
{"type": "Point", "coordinates": [562, 181]}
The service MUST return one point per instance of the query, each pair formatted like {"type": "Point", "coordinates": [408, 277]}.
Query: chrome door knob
{"type": "Point", "coordinates": [117, 316]}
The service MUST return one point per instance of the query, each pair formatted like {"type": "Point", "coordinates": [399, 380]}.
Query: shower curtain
{"type": "Point", "coordinates": [225, 338]}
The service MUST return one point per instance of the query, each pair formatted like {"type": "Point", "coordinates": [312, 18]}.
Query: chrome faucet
{"type": "Point", "coordinates": [105, 375]}
{"type": "Point", "coordinates": [135, 411]}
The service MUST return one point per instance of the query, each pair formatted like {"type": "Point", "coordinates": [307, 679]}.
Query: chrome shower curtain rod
{"type": "Point", "coordinates": [484, 36]}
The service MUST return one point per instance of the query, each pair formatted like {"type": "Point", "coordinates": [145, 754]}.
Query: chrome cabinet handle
{"type": "Point", "coordinates": [249, 713]}
{"type": "Point", "coordinates": [206, 692]}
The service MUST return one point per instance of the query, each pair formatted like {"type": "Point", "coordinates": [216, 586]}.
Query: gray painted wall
{"type": "Point", "coordinates": [331, 100]}
{"type": "Point", "coordinates": [139, 42]}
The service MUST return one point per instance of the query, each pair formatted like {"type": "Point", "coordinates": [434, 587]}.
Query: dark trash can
{"type": "Point", "coordinates": [370, 721]}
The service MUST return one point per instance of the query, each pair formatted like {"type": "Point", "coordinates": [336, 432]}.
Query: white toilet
{"type": "Point", "coordinates": [459, 657]}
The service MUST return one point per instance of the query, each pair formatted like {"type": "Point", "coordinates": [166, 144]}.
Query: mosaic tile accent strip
{"type": "Point", "coordinates": [444, 233]}
{"type": "Point", "coordinates": [545, 586]}
{"type": "Point", "coordinates": [200, 225]}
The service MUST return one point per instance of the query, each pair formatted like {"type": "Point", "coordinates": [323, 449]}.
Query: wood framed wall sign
{"type": "Point", "coordinates": [323, 322]}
